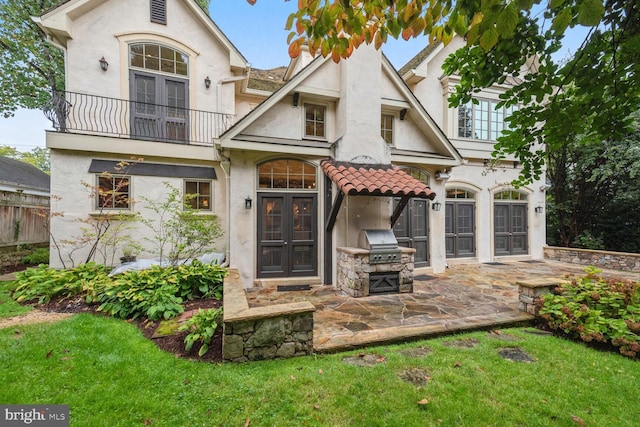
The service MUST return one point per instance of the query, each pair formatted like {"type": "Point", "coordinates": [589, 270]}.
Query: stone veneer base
{"type": "Point", "coordinates": [354, 268]}
{"type": "Point", "coordinates": [259, 333]}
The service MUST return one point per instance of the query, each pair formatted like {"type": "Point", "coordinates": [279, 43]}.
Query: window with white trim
{"type": "Point", "coordinates": [315, 121]}
{"type": "Point", "coordinates": [386, 127]}
{"type": "Point", "coordinates": [483, 120]}
{"type": "Point", "coordinates": [113, 192]}
{"type": "Point", "coordinates": [155, 57]}
{"type": "Point", "coordinates": [198, 194]}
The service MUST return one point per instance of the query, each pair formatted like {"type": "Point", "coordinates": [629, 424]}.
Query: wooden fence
{"type": "Point", "coordinates": [24, 219]}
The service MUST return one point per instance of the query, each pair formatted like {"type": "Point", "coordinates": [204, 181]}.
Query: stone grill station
{"type": "Point", "coordinates": [378, 266]}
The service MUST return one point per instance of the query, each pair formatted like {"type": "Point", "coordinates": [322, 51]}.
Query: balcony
{"type": "Point", "coordinates": [119, 118]}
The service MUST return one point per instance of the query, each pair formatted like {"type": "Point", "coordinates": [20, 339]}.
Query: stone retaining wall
{"type": "Point", "coordinates": [604, 259]}
{"type": "Point", "coordinates": [529, 291]}
{"type": "Point", "coordinates": [259, 333]}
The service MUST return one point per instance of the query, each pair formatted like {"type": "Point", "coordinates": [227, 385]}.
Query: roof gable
{"type": "Point", "coordinates": [22, 175]}
{"type": "Point", "coordinates": [57, 23]}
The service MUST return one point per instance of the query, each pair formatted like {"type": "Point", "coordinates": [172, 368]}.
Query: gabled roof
{"type": "Point", "coordinates": [417, 60]}
{"type": "Point", "coordinates": [22, 175]}
{"type": "Point", "coordinates": [453, 158]}
{"type": "Point", "coordinates": [56, 22]}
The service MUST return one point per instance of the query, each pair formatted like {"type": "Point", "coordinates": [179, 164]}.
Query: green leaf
{"type": "Point", "coordinates": [554, 4]}
{"type": "Point", "coordinates": [562, 20]}
{"type": "Point", "coordinates": [590, 12]}
{"type": "Point", "coordinates": [488, 39]}
{"type": "Point", "coordinates": [507, 21]}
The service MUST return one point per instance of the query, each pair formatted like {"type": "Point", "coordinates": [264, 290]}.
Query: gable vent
{"type": "Point", "coordinates": [159, 11]}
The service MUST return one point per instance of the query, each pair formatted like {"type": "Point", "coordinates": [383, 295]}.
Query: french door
{"type": "Point", "coordinates": [159, 107]}
{"type": "Point", "coordinates": [510, 228]}
{"type": "Point", "coordinates": [412, 229]}
{"type": "Point", "coordinates": [460, 239]}
{"type": "Point", "coordinates": [287, 235]}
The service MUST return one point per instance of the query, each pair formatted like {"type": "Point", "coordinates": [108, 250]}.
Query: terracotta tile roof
{"type": "Point", "coordinates": [374, 180]}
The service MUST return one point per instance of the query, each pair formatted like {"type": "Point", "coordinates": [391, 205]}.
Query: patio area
{"type": "Point", "coordinates": [466, 296]}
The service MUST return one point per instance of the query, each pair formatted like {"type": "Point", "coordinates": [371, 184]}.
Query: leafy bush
{"type": "Point", "coordinates": [152, 292]}
{"type": "Point", "coordinates": [39, 256]}
{"type": "Point", "coordinates": [43, 283]}
{"type": "Point", "coordinates": [199, 280]}
{"type": "Point", "coordinates": [596, 309]}
{"type": "Point", "coordinates": [203, 326]}
{"type": "Point", "coordinates": [159, 291]}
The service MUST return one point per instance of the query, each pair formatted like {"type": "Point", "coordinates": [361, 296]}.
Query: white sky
{"type": "Point", "coordinates": [258, 33]}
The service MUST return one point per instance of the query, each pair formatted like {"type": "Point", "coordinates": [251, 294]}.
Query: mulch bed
{"type": "Point", "coordinates": [173, 343]}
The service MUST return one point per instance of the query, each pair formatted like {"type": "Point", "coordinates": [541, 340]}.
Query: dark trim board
{"type": "Point", "coordinates": [152, 169]}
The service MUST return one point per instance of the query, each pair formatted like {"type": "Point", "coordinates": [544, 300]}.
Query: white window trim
{"type": "Point", "coordinates": [394, 120]}
{"type": "Point", "coordinates": [304, 120]}
{"type": "Point", "coordinates": [473, 120]}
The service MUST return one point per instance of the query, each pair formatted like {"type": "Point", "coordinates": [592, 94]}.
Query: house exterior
{"type": "Point", "coordinates": [295, 170]}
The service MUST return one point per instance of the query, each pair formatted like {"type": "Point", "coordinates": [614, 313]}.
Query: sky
{"type": "Point", "coordinates": [258, 33]}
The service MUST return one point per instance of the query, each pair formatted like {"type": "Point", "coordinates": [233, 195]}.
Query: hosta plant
{"type": "Point", "coordinates": [202, 327]}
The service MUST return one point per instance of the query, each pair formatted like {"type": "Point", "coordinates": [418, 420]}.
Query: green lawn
{"type": "Point", "coordinates": [8, 307]}
{"type": "Point", "coordinates": [110, 375]}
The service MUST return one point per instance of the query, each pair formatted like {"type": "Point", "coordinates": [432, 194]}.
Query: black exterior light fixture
{"type": "Point", "coordinates": [538, 209]}
{"type": "Point", "coordinates": [436, 206]}
{"type": "Point", "coordinates": [248, 202]}
{"type": "Point", "coordinates": [207, 82]}
{"type": "Point", "coordinates": [104, 65]}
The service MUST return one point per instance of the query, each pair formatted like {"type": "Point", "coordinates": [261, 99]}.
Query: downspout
{"type": "Point", "coordinates": [18, 221]}
{"type": "Point", "coordinates": [225, 165]}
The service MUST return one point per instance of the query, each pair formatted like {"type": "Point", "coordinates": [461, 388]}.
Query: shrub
{"type": "Point", "coordinates": [43, 283]}
{"type": "Point", "coordinates": [39, 256]}
{"type": "Point", "coordinates": [203, 326]}
{"type": "Point", "coordinates": [152, 292]}
{"type": "Point", "coordinates": [199, 280]}
{"type": "Point", "coordinates": [596, 309]}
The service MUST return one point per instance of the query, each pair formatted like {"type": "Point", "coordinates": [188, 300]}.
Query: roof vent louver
{"type": "Point", "coordinates": [159, 11]}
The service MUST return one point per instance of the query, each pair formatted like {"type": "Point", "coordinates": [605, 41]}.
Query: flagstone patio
{"type": "Point", "coordinates": [466, 296]}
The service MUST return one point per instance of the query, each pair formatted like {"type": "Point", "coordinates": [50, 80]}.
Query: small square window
{"type": "Point", "coordinates": [113, 192]}
{"type": "Point", "coordinates": [386, 128]}
{"type": "Point", "coordinates": [314, 121]}
{"type": "Point", "coordinates": [198, 195]}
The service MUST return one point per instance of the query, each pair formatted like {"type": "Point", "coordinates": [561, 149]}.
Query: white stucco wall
{"type": "Point", "coordinates": [107, 30]}
{"type": "Point", "coordinates": [73, 203]}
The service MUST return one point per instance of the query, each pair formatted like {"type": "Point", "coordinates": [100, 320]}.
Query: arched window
{"type": "Point", "coordinates": [510, 195]}
{"type": "Point", "coordinates": [155, 57]}
{"type": "Point", "coordinates": [159, 89]}
{"type": "Point", "coordinates": [460, 193]}
{"type": "Point", "coordinates": [416, 173]}
{"type": "Point", "coordinates": [287, 174]}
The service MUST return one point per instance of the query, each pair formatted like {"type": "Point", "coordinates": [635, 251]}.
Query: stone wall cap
{"type": "Point", "coordinates": [541, 282]}
{"type": "Point", "coordinates": [270, 311]}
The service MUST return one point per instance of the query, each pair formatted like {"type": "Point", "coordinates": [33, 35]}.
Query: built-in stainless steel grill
{"type": "Point", "coordinates": [382, 245]}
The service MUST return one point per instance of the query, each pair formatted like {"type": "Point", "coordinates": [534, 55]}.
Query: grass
{"type": "Point", "coordinates": [110, 375]}
{"type": "Point", "coordinates": [8, 307]}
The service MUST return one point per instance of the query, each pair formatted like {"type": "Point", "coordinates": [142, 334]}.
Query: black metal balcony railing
{"type": "Point", "coordinates": [91, 114]}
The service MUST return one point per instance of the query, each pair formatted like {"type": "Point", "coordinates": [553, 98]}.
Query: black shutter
{"type": "Point", "coordinates": [159, 11]}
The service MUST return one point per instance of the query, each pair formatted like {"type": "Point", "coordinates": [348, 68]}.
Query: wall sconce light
{"type": "Point", "coordinates": [104, 65]}
{"type": "Point", "coordinates": [248, 202]}
{"type": "Point", "coordinates": [442, 176]}
{"type": "Point", "coordinates": [207, 82]}
{"type": "Point", "coordinates": [296, 98]}
{"type": "Point", "coordinates": [436, 206]}
{"type": "Point", "coordinates": [538, 209]}
{"type": "Point", "coordinates": [485, 162]}
{"type": "Point", "coordinates": [516, 164]}
{"type": "Point", "coordinates": [403, 113]}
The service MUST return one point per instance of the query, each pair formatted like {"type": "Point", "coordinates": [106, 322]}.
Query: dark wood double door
{"type": "Point", "coordinates": [287, 235]}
